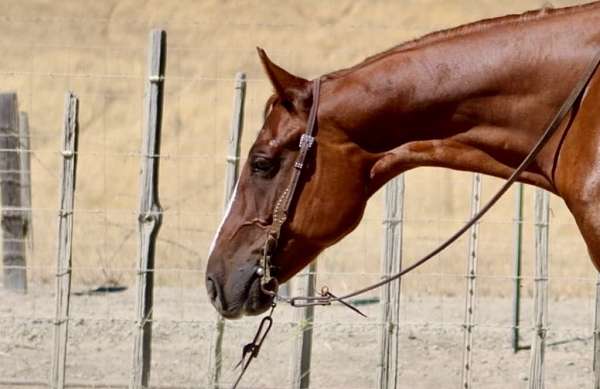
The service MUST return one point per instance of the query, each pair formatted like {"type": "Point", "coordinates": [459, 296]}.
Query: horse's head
{"type": "Point", "coordinates": [327, 204]}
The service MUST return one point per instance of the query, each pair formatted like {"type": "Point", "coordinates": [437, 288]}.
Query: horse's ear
{"type": "Point", "coordinates": [283, 82]}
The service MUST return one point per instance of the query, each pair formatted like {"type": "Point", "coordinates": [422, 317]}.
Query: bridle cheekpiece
{"type": "Point", "coordinates": [283, 204]}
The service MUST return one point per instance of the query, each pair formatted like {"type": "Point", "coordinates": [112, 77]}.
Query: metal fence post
{"type": "Point", "coordinates": [391, 263]}
{"type": "Point", "coordinates": [469, 323]}
{"type": "Point", "coordinates": [65, 238]}
{"type": "Point", "coordinates": [150, 212]}
{"type": "Point", "coordinates": [596, 360]}
{"type": "Point", "coordinates": [517, 253]}
{"type": "Point", "coordinates": [233, 165]}
{"type": "Point", "coordinates": [25, 157]}
{"type": "Point", "coordinates": [14, 224]}
{"type": "Point", "coordinates": [301, 355]}
{"type": "Point", "coordinates": [538, 344]}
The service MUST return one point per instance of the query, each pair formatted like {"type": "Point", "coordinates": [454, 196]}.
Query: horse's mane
{"type": "Point", "coordinates": [466, 29]}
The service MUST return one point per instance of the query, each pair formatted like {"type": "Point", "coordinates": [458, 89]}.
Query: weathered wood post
{"type": "Point", "coordinates": [233, 165]}
{"type": "Point", "coordinates": [391, 263]}
{"type": "Point", "coordinates": [301, 355]}
{"type": "Point", "coordinates": [235, 136]}
{"type": "Point", "coordinates": [538, 343]}
{"type": "Point", "coordinates": [25, 158]}
{"type": "Point", "coordinates": [14, 224]}
{"type": "Point", "coordinates": [150, 212]}
{"type": "Point", "coordinates": [596, 360]}
{"type": "Point", "coordinates": [469, 323]}
{"type": "Point", "coordinates": [65, 239]}
{"type": "Point", "coordinates": [517, 254]}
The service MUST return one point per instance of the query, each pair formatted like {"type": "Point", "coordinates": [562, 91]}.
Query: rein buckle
{"type": "Point", "coordinates": [303, 302]}
{"type": "Point", "coordinates": [325, 298]}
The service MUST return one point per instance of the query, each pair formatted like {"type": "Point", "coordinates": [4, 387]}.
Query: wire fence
{"type": "Point", "coordinates": [108, 75]}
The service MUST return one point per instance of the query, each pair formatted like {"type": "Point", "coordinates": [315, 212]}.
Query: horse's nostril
{"type": "Point", "coordinates": [211, 289]}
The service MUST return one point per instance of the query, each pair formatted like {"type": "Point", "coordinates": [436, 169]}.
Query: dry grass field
{"type": "Point", "coordinates": [98, 50]}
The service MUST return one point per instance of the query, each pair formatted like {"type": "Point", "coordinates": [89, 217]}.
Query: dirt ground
{"type": "Point", "coordinates": [345, 348]}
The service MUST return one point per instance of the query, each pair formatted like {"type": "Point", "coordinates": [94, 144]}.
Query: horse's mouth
{"type": "Point", "coordinates": [257, 301]}
{"type": "Point", "coordinates": [251, 302]}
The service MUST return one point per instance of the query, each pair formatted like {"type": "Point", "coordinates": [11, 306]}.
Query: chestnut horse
{"type": "Point", "coordinates": [475, 98]}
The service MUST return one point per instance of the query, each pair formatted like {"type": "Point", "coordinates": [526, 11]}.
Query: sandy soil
{"type": "Point", "coordinates": [345, 350]}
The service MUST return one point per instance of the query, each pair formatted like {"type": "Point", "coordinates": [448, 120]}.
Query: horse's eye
{"type": "Point", "coordinates": [263, 165]}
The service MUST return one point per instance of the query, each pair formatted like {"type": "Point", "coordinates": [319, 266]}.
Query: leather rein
{"type": "Point", "coordinates": [281, 210]}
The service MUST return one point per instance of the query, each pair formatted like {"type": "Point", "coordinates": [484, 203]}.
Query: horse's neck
{"type": "Point", "coordinates": [476, 102]}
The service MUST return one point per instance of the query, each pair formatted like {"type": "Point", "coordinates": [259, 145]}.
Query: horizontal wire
{"type": "Point", "coordinates": [210, 322]}
{"type": "Point", "coordinates": [129, 154]}
{"type": "Point", "coordinates": [12, 382]}
{"type": "Point", "coordinates": [124, 76]}
{"type": "Point", "coordinates": [218, 214]}
{"type": "Point", "coordinates": [203, 22]}
{"type": "Point", "coordinates": [592, 280]}
{"type": "Point", "coordinates": [107, 211]}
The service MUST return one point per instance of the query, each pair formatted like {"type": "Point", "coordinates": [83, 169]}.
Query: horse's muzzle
{"type": "Point", "coordinates": [238, 296]}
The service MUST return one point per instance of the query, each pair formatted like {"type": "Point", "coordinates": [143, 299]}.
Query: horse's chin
{"type": "Point", "coordinates": [254, 302]}
{"type": "Point", "coordinates": [258, 301]}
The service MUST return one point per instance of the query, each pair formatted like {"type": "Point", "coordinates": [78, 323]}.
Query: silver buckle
{"type": "Point", "coordinates": [306, 141]}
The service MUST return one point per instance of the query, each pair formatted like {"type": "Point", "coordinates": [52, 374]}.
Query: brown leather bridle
{"type": "Point", "coordinates": [268, 283]}
{"type": "Point", "coordinates": [283, 204]}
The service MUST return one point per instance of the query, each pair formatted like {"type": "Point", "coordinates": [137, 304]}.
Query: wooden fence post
{"type": "Point", "coordinates": [150, 212]}
{"type": "Point", "coordinates": [25, 157]}
{"type": "Point", "coordinates": [301, 355]}
{"type": "Point", "coordinates": [389, 341]}
{"type": "Point", "coordinates": [538, 344]}
{"type": "Point", "coordinates": [517, 254]}
{"type": "Point", "coordinates": [65, 238]}
{"type": "Point", "coordinates": [596, 360]}
{"type": "Point", "coordinates": [14, 225]}
{"type": "Point", "coordinates": [469, 324]}
{"type": "Point", "coordinates": [235, 135]}
{"type": "Point", "coordinates": [233, 163]}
